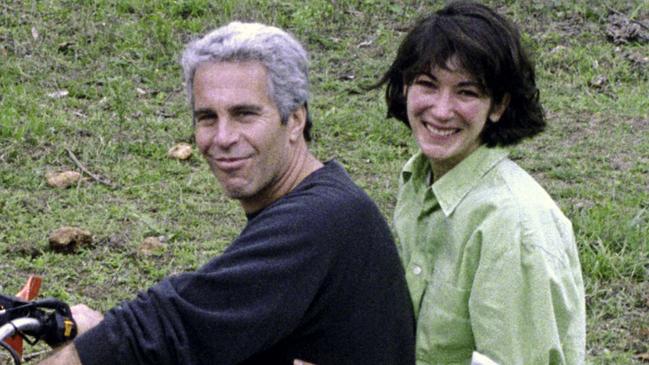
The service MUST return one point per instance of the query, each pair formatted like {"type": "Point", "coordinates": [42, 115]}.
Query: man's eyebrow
{"type": "Point", "coordinates": [203, 112]}
{"type": "Point", "coordinates": [245, 108]}
{"type": "Point", "coordinates": [236, 109]}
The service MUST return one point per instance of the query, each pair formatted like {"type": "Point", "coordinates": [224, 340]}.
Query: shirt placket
{"type": "Point", "coordinates": [422, 263]}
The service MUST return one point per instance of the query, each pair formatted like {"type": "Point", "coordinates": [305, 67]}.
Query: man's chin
{"type": "Point", "coordinates": [234, 193]}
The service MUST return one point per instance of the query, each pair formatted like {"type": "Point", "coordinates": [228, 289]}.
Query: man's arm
{"type": "Point", "coordinates": [85, 318]}
{"type": "Point", "coordinates": [66, 356]}
{"type": "Point", "coordinates": [242, 293]}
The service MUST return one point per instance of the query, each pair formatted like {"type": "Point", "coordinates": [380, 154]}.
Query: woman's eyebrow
{"type": "Point", "coordinates": [470, 83]}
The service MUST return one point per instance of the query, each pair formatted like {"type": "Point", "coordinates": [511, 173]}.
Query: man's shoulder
{"type": "Point", "coordinates": [327, 201]}
{"type": "Point", "coordinates": [328, 191]}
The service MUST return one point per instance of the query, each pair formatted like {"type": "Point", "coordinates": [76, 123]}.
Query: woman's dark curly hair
{"type": "Point", "coordinates": [484, 44]}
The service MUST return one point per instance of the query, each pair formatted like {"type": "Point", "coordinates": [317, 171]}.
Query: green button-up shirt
{"type": "Point", "coordinates": [491, 264]}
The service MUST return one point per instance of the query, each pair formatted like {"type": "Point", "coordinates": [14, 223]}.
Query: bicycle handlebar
{"type": "Point", "coordinates": [48, 319]}
{"type": "Point", "coordinates": [19, 325]}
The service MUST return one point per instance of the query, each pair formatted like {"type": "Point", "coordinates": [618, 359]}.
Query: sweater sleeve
{"type": "Point", "coordinates": [238, 304]}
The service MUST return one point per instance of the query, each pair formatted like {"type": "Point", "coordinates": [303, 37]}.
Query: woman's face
{"type": "Point", "coordinates": [447, 111]}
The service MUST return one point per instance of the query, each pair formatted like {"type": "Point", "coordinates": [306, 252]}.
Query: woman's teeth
{"type": "Point", "coordinates": [440, 132]}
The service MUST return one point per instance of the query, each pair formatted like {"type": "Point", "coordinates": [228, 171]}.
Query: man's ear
{"type": "Point", "coordinates": [296, 123]}
{"type": "Point", "coordinates": [497, 110]}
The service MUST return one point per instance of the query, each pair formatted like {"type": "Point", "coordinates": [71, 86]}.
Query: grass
{"type": "Point", "coordinates": [125, 107]}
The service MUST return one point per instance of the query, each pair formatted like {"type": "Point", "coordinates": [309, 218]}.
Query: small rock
{"type": "Point", "coordinates": [598, 82]}
{"type": "Point", "coordinates": [638, 59]}
{"type": "Point", "coordinates": [151, 246]}
{"type": "Point", "coordinates": [67, 239]}
{"type": "Point", "coordinates": [181, 151]}
{"type": "Point", "coordinates": [62, 179]}
{"type": "Point", "coordinates": [558, 49]}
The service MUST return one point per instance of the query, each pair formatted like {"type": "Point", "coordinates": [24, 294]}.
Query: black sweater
{"type": "Point", "coordinates": [314, 276]}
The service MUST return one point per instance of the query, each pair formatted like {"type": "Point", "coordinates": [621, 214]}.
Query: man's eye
{"type": "Point", "coordinates": [205, 119]}
{"type": "Point", "coordinates": [246, 113]}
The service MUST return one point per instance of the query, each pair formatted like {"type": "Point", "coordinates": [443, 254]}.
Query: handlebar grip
{"type": "Point", "coordinates": [59, 329]}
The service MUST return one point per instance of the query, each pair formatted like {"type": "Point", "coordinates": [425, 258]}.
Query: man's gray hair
{"type": "Point", "coordinates": [283, 56]}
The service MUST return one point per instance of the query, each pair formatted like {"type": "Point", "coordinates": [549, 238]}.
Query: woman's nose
{"type": "Point", "coordinates": [442, 106]}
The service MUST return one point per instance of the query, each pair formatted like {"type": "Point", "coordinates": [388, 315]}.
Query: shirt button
{"type": "Point", "coordinates": [416, 270]}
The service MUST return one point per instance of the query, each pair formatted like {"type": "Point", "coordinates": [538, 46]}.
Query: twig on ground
{"type": "Point", "coordinates": [97, 178]}
{"type": "Point", "coordinates": [35, 355]}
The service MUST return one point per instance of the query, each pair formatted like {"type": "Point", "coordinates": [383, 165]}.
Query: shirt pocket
{"type": "Point", "coordinates": [444, 332]}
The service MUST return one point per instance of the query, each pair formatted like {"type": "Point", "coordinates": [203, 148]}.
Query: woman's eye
{"type": "Point", "coordinates": [471, 93]}
{"type": "Point", "coordinates": [424, 83]}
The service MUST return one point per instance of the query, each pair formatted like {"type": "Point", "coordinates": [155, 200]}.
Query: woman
{"type": "Point", "coordinates": [490, 259]}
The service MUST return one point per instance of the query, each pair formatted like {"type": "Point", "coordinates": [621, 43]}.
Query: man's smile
{"type": "Point", "coordinates": [228, 164]}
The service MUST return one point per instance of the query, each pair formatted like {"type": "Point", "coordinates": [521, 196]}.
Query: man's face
{"type": "Point", "coordinates": [238, 129]}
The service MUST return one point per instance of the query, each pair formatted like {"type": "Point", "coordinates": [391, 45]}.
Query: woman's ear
{"type": "Point", "coordinates": [497, 110]}
{"type": "Point", "coordinates": [296, 123]}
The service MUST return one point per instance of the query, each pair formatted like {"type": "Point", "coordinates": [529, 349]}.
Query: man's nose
{"type": "Point", "coordinates": [227, 134]}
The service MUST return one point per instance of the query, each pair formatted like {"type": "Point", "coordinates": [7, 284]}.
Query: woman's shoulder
{"type": "Point", "coordinates": [508, 195]}
{"type": "Point", "coordinates": [511, 187]}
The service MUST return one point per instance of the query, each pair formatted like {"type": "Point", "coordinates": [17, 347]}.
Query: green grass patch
{"type": "Point", "coordinates": [124, 106]}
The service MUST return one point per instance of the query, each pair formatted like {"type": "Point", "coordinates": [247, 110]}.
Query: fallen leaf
{"type": "Point", "coordinates": [62, 179]}
{"type": "Point", "coordinates": [79, 114]}
{"type": "Point", "coordinates": [181, 151]}
{"type": "Point", "coordinates": [366, 43]}
{"type": "Point", "coordinates": [58, 94]}
{"type": "Point", "coordinates": [558, 49]}
{"type": "Point", "coordinates": [65, 46]}
{"type": "Point", "coordinates": [644, 357]}
{"type": "Point", "coordinates": [151, 246]}
{"type": "Point", "coordinates": [621, 30]}
{"type": "Point", "coordinates": [67, 239]}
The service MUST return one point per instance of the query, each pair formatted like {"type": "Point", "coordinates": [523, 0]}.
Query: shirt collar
{"type": "Point", "coordinates": [451, 188]}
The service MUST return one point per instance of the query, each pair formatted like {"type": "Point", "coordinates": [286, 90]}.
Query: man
{"type": "Point", "coordinates": [314, 275]}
